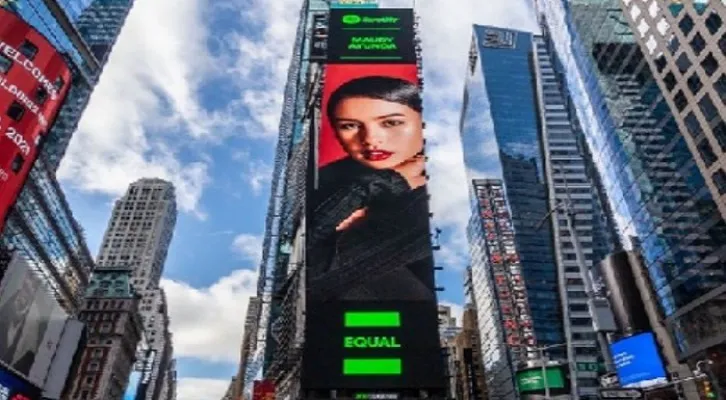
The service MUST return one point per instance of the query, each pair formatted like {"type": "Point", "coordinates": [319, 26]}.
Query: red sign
{"type": "Point", "coordinates": [263, 390]}
{"type": "Point", "coordinates": [34, 79]}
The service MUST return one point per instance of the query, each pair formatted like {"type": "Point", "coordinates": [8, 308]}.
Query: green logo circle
{"type": "Point", "coordinates": [351, 19]}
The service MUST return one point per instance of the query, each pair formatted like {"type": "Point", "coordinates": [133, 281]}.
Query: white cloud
{"type": "Point", "coordinates": [146, 109]}
{"type": "Point", "coordinates": [256, 173]}
{"type": "Point", "coordinates": [208, 323]}
{"type": "Point", "coordinates": [248, 246]}
{"type": "Point", "coordinates": [201, 389]}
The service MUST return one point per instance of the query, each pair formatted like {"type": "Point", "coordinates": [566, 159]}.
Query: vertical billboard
{"type": "Point", "coordinates": [32, 322]}
{"type": "Point", "coordinates": [371, 310]}
{"type": "Point", "coordinates": [34, 79]}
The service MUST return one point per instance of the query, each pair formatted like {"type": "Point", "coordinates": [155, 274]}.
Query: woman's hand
{"type": "Point", "coordinates": [413, 171]}
{"type": "Point", "coordinates": [356, 216]}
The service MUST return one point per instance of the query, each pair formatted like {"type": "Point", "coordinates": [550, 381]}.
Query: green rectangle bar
{"type": "Point", "coordinates": [372, 319]}
{"type": "Point", "coordinates": [372, 366]}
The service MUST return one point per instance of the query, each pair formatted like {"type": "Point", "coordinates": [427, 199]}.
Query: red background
{"type": "Point", "coordinates": [14, 31]}
{"type": "Point", "coordinates": [329, 149]}
{"type": "Point", "coordinates": [263, 390]}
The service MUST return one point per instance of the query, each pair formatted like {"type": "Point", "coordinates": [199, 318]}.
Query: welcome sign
{"type": "Point", "coordinates": [371, 36]}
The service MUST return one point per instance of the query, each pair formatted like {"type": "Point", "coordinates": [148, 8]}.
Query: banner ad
{"type": "Point", "coordinates": [15, 388]}
{"type": "Point", "coordinates": [371, 300]}
{"type": "Point", "coordinates": [34, 79]}
{"type": "Point", "coordinates": [33, 322]}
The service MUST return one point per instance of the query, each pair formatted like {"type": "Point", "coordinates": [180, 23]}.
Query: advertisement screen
{"type": "Point", "coordinates": [370, 304]}
{"type": "Point", "coordinates": [637, 361]}
{"type": "Point", "coordinates": [263, 390]}
{"type": "Point", "coordinates": [371, 35]}
{"type": "Point", "coordinates": [29, 313]}
{"type": "Point", "coordinates": [133, 387]}
{"type": "Point", "coordinates": [530, 380]}
{"type": "Point", "coordinates": [15, 388]}
{"type": "Point", "coordinates": [34, 79]}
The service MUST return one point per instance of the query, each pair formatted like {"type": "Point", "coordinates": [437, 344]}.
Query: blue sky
{"type": "Point", "coordinates": [192, 93]}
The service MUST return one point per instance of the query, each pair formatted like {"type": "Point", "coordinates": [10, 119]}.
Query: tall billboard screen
{"type": "Point", "coordinates": [637, 361]}
{"type": "Point", "coordinates": [33, 320]}
{"type": "Point", "coordinates": [371, 311]}
{"type": "Point", "coordinates": [34, 79]}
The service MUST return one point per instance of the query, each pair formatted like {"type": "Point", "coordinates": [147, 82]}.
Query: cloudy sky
{"type": "Point", "coordinates": [192, 93]}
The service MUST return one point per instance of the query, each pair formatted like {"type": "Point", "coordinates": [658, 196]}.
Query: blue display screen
{"type": "Point", "coordinates": [15, 388]}
{"type": "Point", "coordinates": [637, 361]}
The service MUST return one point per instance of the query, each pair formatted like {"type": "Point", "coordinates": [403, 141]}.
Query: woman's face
{"type": "Point", "coordinates": [377, 133]}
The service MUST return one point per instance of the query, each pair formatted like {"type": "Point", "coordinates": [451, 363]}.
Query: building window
{"type": "Point", "coordinates": [686, 25]}
{"type": "Point", "coordinates": [694, 83]}
{"type": "Point", "coordinates": [683, 63]}
{"type": "Point", "coordinates": [41, 95]}
{"type": "Point", "coordinates": [59, 83]}
{"type": "Point", "coordinates": [719, 131]}
{"type": "Point", "coordinates": [706, 152]}
{"type": "Point", "coordinates": [17, 164]}
{"type": "Point", "coordinates": [15, 111]}
{"type": "Point", "coordinates": [698, 44]}
{"type": "Point", "coordinates": [93, 366]}
{"type": "Point", "coordinates": [670, 81]}
{"type": "Point", "coordinates": [709, 64]}
{"type": "Point", "coordinates": [28, 49]}
{"type": "Point", "coordinates": [707, 108]}
{"type": "Point", "coordinates": [680, 100]}
{"type": "Point", "coordinates": [713, 23]}
{"type": "Point", "coordinates": [5, 64]}
{"type": "Point", "coordinates": [719, 179]}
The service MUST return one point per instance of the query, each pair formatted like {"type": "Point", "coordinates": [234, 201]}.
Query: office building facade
{"type": "Point", "coordinates": [138, 237]}
{"type": "Point", "coordinates": [685, 47]}
{"type": "Point", "coordinates": [466, 369]}
{"type": "Point", "coordinates": [655, 186]}
{"type": "Point", "coordinates": [536, 165]}
{"type": "Point", "coordinates": [42, 225]}
{"type": "Point", "coordinates": [110, 312]}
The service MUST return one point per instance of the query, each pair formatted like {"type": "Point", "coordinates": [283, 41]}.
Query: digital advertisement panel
{"type": "Point", "coordinates": [15, 388]}
{"type": "Point", "coordinates": [637, 361]}
{"type": "Point", "coordinates": [371, 35]}
{"type": "Point", "coordinates": [263, 390]}
{"type": "Point", "coordinates": [34, 79]}
{"type": "Point", "coordinates": [28, 311]}
{"type": "Point", "coordinates": [371, 299]}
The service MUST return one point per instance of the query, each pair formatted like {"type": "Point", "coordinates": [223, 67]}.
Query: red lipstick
{"type": "Point", "coordinates": [377, 155]}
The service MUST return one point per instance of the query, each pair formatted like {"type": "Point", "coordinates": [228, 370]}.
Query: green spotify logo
{"type": "Point", "coordinates": [351, 19]}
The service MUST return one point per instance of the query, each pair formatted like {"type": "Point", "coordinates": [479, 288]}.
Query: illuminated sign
{"type": "Point", "coordinates": [531, 380]}
{"type": "Point", "coordinates": [34, 79]}
{"type": "Point", "coordinates": [365, 342]}
{"type": "Point", "coordinates": [371, 36]}
{"type": "Point", "coordinates": [14, 388]}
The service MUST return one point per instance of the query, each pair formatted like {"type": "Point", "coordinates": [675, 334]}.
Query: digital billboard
{"type": "Point", "coordinates": [14, 388]}
{"type": "Point", "coordinates": [34, 79]}
{"type": "Point", "coordinates": [637, 361]}
{"type": "Point", "coordinates": [371, 305]}
{"type": "Point", "coordinates": [381, 35]}
{"type": "Point", "coordinates": [33, 320]}
{"type": "Point", "coordinates": [531, 380]}
{"type": "Point", "coordinates": [263, 390]}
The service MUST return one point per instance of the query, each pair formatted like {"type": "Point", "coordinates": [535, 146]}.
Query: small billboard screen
{"type": "Point", "coordinates": [14, 388]}
{"type": "Point", "coordinates": [637, 361]}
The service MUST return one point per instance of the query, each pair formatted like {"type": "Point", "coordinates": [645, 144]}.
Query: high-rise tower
{"type": "Point", "coordinates": [138, 237]}
{"type": "Point", "coordinates": [664, 207]}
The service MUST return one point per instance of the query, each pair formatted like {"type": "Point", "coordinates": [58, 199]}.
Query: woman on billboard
{"type": "Point", "coordinates": [369, 232]}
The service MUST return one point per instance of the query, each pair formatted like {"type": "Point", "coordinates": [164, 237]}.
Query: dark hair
{"type": "Point", "coordinates": [394, 90]}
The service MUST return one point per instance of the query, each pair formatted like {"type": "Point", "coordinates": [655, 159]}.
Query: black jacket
{"type": "Point", "coordinates": [387, 256]}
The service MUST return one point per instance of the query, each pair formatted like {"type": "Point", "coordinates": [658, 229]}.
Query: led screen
{"type": "Point", "coordinates": [382, 35]}
{"type": "Point", "coordinates": [15, 388]}
{"type": "Point", "coordinates": [370, 301]}
{"type": "Point", "coordinates": [34, 79]}
{"type": "Point", "coordinates": [637, 361]}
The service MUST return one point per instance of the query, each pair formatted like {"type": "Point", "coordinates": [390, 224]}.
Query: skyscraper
{"type": "Point", "coordinates": [685, 47]}
{"type": "Point", "coordinates": [529, 160]}
{"type": "Point", "coordinates": [663, 206]}
{"type": "Point", "coordinates": [114, 329]}
{"type": "Point", "coordinates": [42, 225]}
{"type": "Point", "coordinates": [138, 237]}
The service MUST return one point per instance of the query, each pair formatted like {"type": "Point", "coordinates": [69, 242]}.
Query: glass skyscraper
{"type": "Point", "coordinates": [500, 135]}
{"type": "Point", "coordinates": [657, 193]}
{"type": "Point", "coordinates": [41, 224]}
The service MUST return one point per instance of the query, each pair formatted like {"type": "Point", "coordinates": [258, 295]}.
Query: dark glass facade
{"type": "Point", "coordinates": [503, 80]}
{"type": "Point", "coordinates": [654, 187]}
